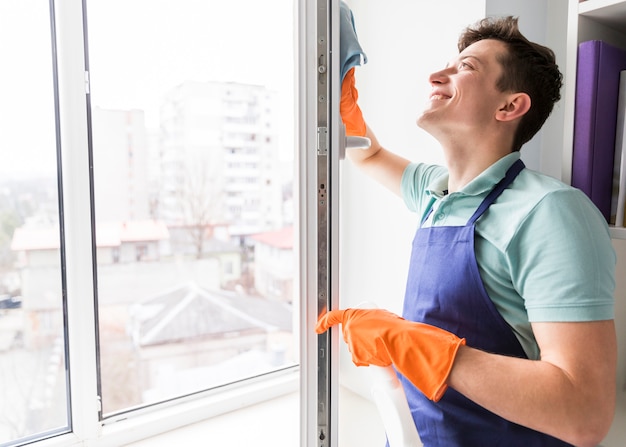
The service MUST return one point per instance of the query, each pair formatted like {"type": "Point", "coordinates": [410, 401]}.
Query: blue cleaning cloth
{"type": "Point", "coordinates": [350, 51]}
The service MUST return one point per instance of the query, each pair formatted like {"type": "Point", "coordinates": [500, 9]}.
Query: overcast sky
{"type": "Point", "coordinates": [139, 49]}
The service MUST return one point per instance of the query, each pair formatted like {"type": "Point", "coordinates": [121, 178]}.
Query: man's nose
{"type": "Point", "coordinates": [439, 77]}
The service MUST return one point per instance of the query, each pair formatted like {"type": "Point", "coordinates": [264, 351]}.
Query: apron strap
{"type": "Point", "coordinates": [510, 175]}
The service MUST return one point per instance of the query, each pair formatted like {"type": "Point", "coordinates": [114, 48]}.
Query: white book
{"type": "Point", "coordinates": [619, 172]}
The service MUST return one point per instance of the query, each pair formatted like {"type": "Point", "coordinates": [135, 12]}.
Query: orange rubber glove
{"type": "Point", "coordinates": [350, 111]}
{"type": "Point", "coordinates": [424, 354]}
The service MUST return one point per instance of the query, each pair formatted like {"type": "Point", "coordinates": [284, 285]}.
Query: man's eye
{"type": "Point", "coordinates": [464, 65]}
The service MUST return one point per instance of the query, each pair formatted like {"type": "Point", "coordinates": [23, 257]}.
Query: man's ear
{"type": "Point", "coordinates": [516, 106]}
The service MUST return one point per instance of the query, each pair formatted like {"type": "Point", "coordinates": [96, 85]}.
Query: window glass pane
{"type": "Point", "coordinates": [193, 118]}
{"type": "Point", "coordinates": [34, 392]}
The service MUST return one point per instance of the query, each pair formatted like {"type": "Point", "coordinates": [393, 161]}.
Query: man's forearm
{"type": "Point", "coordinates": [536, 394]}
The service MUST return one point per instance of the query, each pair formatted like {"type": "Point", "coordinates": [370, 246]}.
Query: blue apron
{"type": "Point", "coordinates": [444, 289]}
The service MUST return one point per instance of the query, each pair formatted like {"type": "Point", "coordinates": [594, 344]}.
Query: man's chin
{"type": "Point", "coordinates": [425, 122]}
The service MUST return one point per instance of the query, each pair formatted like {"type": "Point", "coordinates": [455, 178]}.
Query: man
{"type": "Point", "coordinates": [507, 335]}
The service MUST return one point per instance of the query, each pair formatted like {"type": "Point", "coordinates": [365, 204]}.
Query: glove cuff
{"type": "Point", "coordinates": [427, 356]}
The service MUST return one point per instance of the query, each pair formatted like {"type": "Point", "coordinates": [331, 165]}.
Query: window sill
{"type": "Point", "coordinates": [267, 424]}
{"type": "Point", "coordinates": [127, 429]}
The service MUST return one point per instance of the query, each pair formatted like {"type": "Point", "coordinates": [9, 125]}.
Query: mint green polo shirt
{"type": "Point", "coordinates": [543, 249]}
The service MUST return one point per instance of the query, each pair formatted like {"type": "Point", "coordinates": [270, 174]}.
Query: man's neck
{"type": "Point", "coordinates": [465, 166]}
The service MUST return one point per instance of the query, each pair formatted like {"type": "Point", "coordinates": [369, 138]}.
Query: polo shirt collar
{"type": "Point", "coordinates": [483, 183]}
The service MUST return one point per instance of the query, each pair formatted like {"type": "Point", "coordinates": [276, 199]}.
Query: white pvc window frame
{"type": "Point", "coordinates": [86, 425]}
{"type": "Point", "coordinates": [319, 216]}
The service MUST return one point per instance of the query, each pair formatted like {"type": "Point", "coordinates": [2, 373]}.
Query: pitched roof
{"type": "Point", "coordinates": [192, 312]}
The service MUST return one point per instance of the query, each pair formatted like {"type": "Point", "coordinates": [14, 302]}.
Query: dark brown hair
{"type": "Point", "coordinates": [527, 67]}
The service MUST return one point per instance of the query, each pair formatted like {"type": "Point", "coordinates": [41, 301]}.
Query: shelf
{"type": "Point", "coordinates": [617, 233]}
{"type": "Point", "coordinates": [606, 21]}
{"type": "Point", "coordinates": [611, 13]}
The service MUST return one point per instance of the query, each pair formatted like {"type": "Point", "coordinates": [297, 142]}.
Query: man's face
{"type": "Point", "coordinates": [464, 97]}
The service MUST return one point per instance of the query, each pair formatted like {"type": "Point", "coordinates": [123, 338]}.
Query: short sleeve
{"type": "Point", "coordinates": [416, 179]}
{"type": "Point", "coordinates": [563, 261]}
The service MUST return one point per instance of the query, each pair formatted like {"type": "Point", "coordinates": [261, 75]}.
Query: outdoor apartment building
{"type": "Point", "coordinates": [219, 157]}
{"type": "Point", "coordinates": [212, 161]}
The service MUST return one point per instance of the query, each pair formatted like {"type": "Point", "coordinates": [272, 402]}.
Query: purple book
{"type": "Point", "coordinates": [595, 117]}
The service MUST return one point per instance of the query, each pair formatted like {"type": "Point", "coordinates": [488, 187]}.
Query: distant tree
{"type": "Point", "coordinates": [200, 201]}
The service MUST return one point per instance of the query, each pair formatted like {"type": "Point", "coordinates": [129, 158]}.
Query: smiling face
{"type": "Point", "coordinates": [464, 98]}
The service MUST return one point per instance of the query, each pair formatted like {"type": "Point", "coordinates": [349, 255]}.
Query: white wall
{"type": "Point", "coordinates": [404, 41]}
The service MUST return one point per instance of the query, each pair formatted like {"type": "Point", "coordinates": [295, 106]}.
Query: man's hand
{"type": "Point", "coordinates": [424, 354]}
{"type": "Point", "coordinates": [348, 107]}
